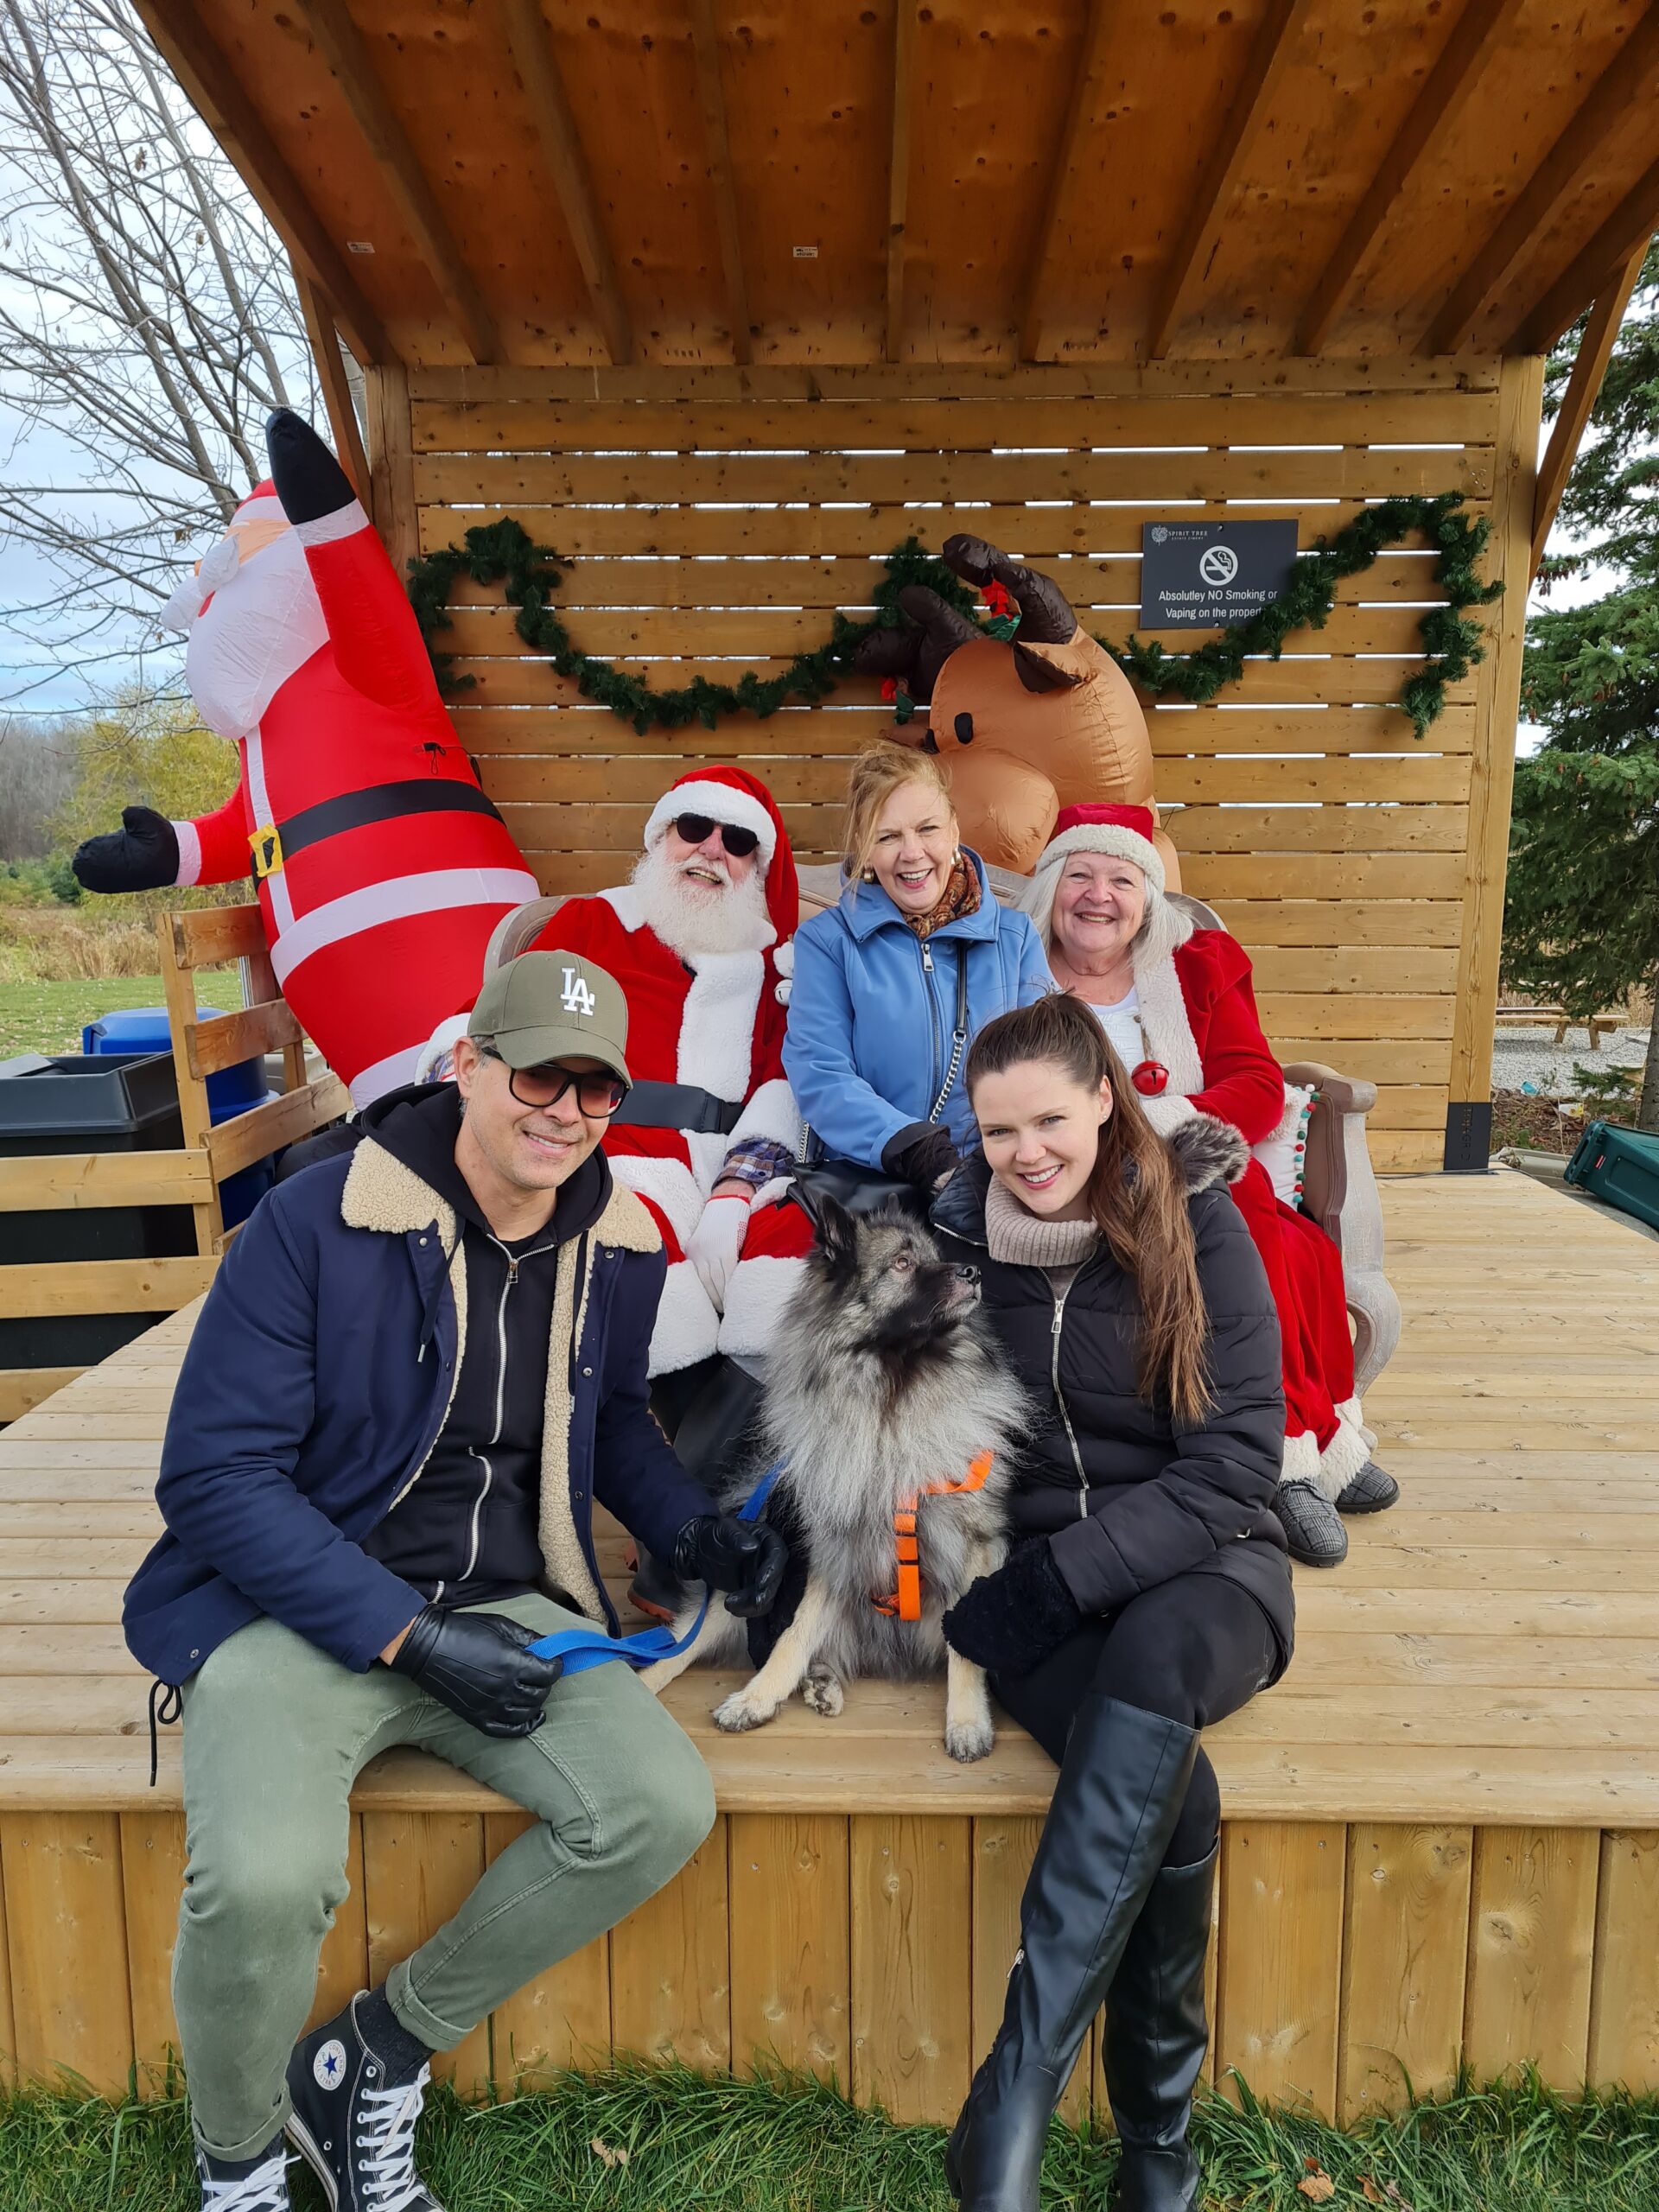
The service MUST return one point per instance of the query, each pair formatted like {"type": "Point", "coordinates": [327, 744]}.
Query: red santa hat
{"type": "Point", "coordinates": [1126, 831]}
{"type": "Point", "coordinates": [732, 795]}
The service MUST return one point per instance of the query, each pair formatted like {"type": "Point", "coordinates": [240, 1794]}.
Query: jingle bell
{"type": "Point", "coordinates": [1151, 1079]}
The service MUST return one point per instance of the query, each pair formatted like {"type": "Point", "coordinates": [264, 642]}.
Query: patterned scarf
{"type": "Point", "coordinates": [960, 898]}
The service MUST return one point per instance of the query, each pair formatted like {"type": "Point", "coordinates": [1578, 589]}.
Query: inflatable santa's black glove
{"type": "Point", "coordinates": [310, 481]}
{"type": "Point", "coordinates": [479, 1666]}
{"type": "Point", "coordinates": [1010, 1621]}
{"type": "Point", "coordinates": [744, 1559]}
{"type": "Point", "coordinates": [142, 855]}
{"type": "Point", "coordinates": [923, 1153]}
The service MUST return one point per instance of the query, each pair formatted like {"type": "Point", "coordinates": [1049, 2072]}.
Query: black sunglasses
{"type": "Point", "coordinates": [695, 828]}
{"type": "Point", "coordinates": [599, 1091]}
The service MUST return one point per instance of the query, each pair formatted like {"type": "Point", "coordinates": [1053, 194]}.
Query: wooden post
{"type": "Point", "coordinates": [318, 312]}
{"type": "Point", "coordinates": [1582, 388]}
{"type": "Point", "coordinates": [179, 989]}
{"type": "Point", "coordinates": [1498, 698]}
{"type": "Point", "coordinates": [391, 464]}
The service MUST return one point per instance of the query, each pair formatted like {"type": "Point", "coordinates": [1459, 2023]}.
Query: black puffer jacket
{"type": "Point", "coordinates": [1130, 1499]}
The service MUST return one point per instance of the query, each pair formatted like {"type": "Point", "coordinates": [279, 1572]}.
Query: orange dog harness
{"type": "Point", "coordinates": [905, 1602]}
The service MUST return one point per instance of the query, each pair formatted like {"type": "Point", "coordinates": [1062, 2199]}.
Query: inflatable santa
{"type": "Point", "coordinates": [381, 866]}
{"type": "Point", "coordinates": [707, 1134]}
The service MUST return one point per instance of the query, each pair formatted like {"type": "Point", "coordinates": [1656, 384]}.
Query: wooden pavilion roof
{"type": "Point", "coordinates": [847, 182]}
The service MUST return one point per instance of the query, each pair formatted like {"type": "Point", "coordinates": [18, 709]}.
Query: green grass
{"type": "Point", "coordinates": [696, 2144]}
{"type": "Point", "coordinates": [36, 1017]}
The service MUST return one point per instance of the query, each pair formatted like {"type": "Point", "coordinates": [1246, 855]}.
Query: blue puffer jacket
{"type": "Point", "coordinates": [872, 1009]}
{"type": "Point", "coordinates": [317, 1381]}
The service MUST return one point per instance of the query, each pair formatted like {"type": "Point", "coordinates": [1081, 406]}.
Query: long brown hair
{"type": "Point", "coordinates": [1136, 1198]}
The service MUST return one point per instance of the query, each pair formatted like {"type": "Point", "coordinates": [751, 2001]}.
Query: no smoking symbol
{"type": "Point", "coordinates": [1217, 564]}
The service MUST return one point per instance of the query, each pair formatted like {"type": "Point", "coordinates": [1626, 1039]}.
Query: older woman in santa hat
{"type": "Point", "coordinates": [1176, 1002]}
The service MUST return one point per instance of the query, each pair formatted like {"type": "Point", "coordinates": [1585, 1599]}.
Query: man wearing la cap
{"type": "Point", "coordinates": [1177, 1004]}
{"type": "Point", "coordinates": [418, 1366]}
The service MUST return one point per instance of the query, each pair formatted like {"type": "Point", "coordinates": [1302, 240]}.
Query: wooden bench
{"type": "Point", "coordinates": [1541, 1017]}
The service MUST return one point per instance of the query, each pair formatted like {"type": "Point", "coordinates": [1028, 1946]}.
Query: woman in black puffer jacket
{"type": "Point", "coordinates": [1148, 1592]}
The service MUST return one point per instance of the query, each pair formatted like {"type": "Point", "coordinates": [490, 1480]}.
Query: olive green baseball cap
{"type": "Point", "coordinates": [543, 1006]}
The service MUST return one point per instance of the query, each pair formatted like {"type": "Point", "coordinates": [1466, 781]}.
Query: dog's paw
{"type": "Point", "coordinates": [740, 1713]}
{"type": "Point", "coordinates": [968, 1740]}
{"type": "Point", "coordinates": [822, 1692]}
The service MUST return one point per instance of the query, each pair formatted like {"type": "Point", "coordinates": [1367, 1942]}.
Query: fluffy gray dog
{"type": "Point", "coordinates": [884, 1389]}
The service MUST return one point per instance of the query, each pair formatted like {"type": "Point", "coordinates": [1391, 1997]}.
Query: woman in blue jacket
{"type": "Point", "coordinates": [892, 982]}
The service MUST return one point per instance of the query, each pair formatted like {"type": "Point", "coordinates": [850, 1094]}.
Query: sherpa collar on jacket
{"type": "Point", "coordinates": [383, 1194]}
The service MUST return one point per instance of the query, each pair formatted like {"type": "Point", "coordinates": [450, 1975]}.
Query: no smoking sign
{"type": "Point", "coordinates": [1202, 575]}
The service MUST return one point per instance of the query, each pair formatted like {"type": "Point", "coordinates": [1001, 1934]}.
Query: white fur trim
{"type": "Point", "coordinates": [715, 1047]}
{"type": "Point", "coordinates": [1350, 1410]}
{"type": "Point", "coordinates": [1167, 1112]}
{"type": "Point", "coordinates": [755, 1297]}
{"type": "Point", "coordinates": [1301, 1461]}
{"type": "Point", "coordinates": [688, 1327]}
{"type": "Point", "coordinates": [1341, 1460]}
{"type": "Point", "coordinates": [771, 1113]}
{"type": "Point", "coordinates": [327, 530]}
{"type": "Point", "coordinates": [623, 901]}
{"type": "Point", "coordinates": [1105, 837]}
{"type": "Point", "coordinates": [722, 803]}
{"type": "Point", "coordinates": [189, 839]}
{"type": "Point", "coordinates": [1164, 1026]}
{"type": "Point", "coordinates": [669, 1184]}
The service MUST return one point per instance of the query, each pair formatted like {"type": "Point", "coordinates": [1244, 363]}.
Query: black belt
{"type": "Point", "coordinates": [275, 843]}
{"type": "Point", "coordinates": [678, 1106]}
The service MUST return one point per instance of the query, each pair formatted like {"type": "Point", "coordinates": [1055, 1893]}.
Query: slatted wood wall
{"type": "Point", "coordinates": [872, 1949]}
{"type": "Point", "coordinates": [715, 519]}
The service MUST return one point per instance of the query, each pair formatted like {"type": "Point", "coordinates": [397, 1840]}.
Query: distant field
{"type": "Point", "coordinates": [38, 1017]}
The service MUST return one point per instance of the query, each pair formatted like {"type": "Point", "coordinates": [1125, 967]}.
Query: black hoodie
{"type": "Point", "coordinates": [466, 1533]}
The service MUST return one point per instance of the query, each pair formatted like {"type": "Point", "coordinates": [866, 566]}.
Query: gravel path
{"type": "Point", "coordinates": [1522, 1055]}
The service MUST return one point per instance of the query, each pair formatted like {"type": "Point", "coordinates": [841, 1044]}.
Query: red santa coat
{"type": "Point", "coordinates": [382, 868]}
{"type": "Point", "coordinates": [1198, 1015]}
{"type": "Point", "coordinates": [712, 1021]}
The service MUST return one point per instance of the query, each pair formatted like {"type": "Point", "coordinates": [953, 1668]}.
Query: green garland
{"type": "Point", "coordinates": [503, 552]}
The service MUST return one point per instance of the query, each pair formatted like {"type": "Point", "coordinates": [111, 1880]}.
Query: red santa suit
{"type": "Point", "coordinates": [711, 1022]}
{"type": "Point", "coordinates": [382, 868]}
{"type": "Point", "coordinates": [1199, 1026]}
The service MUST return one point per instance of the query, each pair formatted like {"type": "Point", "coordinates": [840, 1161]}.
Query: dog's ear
{"type": "Point", "coordinates": [837, 1232]}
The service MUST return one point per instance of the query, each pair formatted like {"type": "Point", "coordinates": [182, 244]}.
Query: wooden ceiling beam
{"type": "Point", "coordinates": [555, 128]}
{"type": "Point", "coordinates": [1269, 56]}
{"type": "Point", "coordinates": [216, 92]}
{"type": "Point", "coordinates": [1480, 30]}
{"type": "Point", "coordinates": [340, 44]}
{"type": "Point", "coordinates": [318, 312]}
{"type": "Point", "coordinates": [711, 93]}
{"type": "Point", "coordinates": [1582, 388]}
{"type": "Point", "coordinates": [903, 50]}
{"type": "Point", "coordinates": [1589, 274]}
{"type": "Point", "coordinates": [1629, 80]}
{"type": "Point", "coordinates": [1029, 322]}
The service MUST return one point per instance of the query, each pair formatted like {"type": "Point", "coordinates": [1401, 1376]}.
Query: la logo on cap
{"type": "Point", "coordinates": [578, 999]}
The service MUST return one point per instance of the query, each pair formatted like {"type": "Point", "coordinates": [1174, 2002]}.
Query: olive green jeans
{"type": "Point", "coordinates": [275, 1735]}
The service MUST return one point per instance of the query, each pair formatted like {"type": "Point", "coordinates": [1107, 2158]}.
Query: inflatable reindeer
{"type": "Point", "coordinates": [1046, 720]}
{"type": "Point", "coordinates": [382, 868]}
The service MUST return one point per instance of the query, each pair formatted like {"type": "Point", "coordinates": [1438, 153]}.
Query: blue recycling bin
{"type": "Point", "coordinates": [231, 1092]}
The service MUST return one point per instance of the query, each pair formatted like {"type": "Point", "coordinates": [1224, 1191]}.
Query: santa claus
{"type": "Point", "coordinates": [1177, 1005]}
{"type": "Point", "coordinates": [707, 1134]}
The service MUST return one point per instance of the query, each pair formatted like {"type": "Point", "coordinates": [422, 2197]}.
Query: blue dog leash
{"type": "Point", "coordinates": [581, 1647]}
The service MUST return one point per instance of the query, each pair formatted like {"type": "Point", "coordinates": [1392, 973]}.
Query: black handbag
{"type": "Point", "coordinates": [848, 1183]}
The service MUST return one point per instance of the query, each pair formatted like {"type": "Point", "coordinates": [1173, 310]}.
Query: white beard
{"type": "Point", "coordinates": [695, 920]}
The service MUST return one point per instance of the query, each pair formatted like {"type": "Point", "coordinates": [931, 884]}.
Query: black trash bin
{"type": "Point", "coordinates": [73, 1102]}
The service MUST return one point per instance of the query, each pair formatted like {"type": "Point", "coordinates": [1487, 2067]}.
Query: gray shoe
{"type": "Point", "coordinates": [1373, 1490]}
{"type": "Point", "coordinates": [1311, 1524]}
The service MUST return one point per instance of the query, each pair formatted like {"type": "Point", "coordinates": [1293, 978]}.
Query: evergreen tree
{"type": "Point", "coordinates": [1581, 920]}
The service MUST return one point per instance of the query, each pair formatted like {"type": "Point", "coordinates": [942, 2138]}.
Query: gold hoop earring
{"type": "Point", "coordinates": [868, 876]}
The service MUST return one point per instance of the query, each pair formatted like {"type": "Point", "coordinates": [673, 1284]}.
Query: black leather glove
{"type": "Point", "coordinates": [142, 855]}
{"type": "Point", "coordinates": [745, 1559]}
{"type": "Point", "coordinates": [479, 1666]}
{"type": "Point", "coordinates": [924, 1154]}
{"type": "Point", "coordinates": [1007, 1622]}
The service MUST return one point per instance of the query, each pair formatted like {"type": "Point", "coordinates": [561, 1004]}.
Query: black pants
{"type": "Point", "coordinates": [1193, 1650]}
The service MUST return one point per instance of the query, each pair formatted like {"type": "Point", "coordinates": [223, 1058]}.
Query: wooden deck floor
{"type": "Point", "coordinates": [1442, 1827]}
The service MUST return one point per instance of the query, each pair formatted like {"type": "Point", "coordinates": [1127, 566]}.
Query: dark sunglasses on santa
{"type": "Point", "coordinates": [695, 828]}
{"type": "Point", "coordinates": [598, 1092]}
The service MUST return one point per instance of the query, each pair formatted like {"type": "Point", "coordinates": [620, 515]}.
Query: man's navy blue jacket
{"type": "Point", "coordinates": [317, 1381]}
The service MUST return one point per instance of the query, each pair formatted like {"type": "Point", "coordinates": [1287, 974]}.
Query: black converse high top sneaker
{"type": "Point", "coordinates": [245, 2185]}
{"type": "Point", "coordinates": [353, 2118]}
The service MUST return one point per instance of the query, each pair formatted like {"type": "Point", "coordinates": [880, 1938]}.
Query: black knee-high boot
{"type": "Point", "coordinates": [1121, 1787]}
{"type": "Point", "coordinates": [1155, 2038]}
